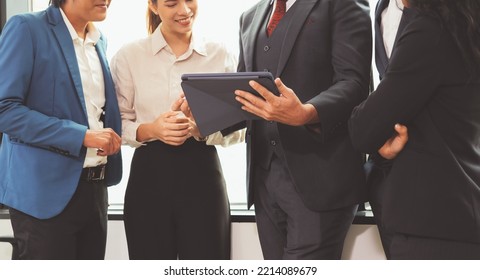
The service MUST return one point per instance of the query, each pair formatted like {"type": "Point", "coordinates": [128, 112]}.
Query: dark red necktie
{"type": "Point", "coordinates": [280, 10]}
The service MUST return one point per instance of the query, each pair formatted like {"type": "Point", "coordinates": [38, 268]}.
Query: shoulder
{"type": "Point", "coordinates": [250, 13]}
{"type": "Point", "coordinates": [425, 29]}
{"type": "Point", "coordinates": [213, 46]}
{"type": "Point", "coordinates": [32, 20]}
{"type": "Point", "coordinates": [135, 48]}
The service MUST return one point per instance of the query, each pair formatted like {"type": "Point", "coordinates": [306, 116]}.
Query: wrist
{"type": "Point", "coordinates": [311, 115]}
{"type": "Point", "coordinates": [200, 138]}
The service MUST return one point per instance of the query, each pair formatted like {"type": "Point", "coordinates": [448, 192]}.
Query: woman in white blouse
{"type": "Point", "coordinates": [176, 205]}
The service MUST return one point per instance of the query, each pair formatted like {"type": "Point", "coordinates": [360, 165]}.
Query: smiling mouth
{"type": "Point", "coordinates": [184, 20]}
{"type": "Point", "coordinates": [103, 5]}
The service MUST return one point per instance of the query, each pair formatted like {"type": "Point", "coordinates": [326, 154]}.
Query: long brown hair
{"type": "Point", "coordinates": [153, 20]}
{"type": "Point", "coordinates": [56, 3]}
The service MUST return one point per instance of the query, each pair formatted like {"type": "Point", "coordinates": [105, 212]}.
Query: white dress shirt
{"type": "Point", "coordinates": [289, 4]}
{"type": "Point", "coordinates": [391, 18]}
{"type": "Point", "coordinates": [92, 82]}
{"type": "Point", "coordinates": [147, 77]}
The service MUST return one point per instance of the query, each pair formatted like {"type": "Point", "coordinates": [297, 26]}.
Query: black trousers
{"type": "Point", "coordinates": [377, 172]}
{"type": "Point", "coordinates": [79, 232]}
{"type": "Point", "coordinates": [289, 230]}
{"type": "Point", "coordinates": [410, 247]}
{"type": "Point", "coordinates": [176, 205]}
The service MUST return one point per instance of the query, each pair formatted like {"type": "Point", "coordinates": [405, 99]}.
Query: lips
{"type": "Point", "coordinates": [185, 21]}
{"type": "Point", "coordinates": [102, 5]}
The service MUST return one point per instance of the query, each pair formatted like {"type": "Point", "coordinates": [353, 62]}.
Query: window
{"type": "Point", "coordinates": [126, 22]}
{"type": "Point", "coordinates": [216, 20]}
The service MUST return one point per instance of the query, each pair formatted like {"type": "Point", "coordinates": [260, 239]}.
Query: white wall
{"type": "Point", "coordinates": [362, 242]}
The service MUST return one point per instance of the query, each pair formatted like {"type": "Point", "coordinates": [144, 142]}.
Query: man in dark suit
{"type": "Point", "coordinates": [61, 124]}
{"type": "Point", "coordinates": [391, 17]}
{"type": "Point", "coordinates": [304, 176]}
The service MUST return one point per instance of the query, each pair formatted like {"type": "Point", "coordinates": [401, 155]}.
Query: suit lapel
{"type": "Point", "coordinates": [301, 14]}
{"type": "Point", "coordinates": [381, 58]}
{"type": "Point", "coordinates": [65, 44]}
{"type": "Point", "coordinates": [251, 33]}
{"type": "Point", "coordinates": [109, 93]}
{"type": "Point", "coordinates": [407, 15]}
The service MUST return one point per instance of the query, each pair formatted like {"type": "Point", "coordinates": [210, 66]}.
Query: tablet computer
{"type": "Point", "coordinates": [212, 100]}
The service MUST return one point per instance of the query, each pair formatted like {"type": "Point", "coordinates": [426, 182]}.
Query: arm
{"type": "Point", "coordinates": [351, 55]}
{"type": "Point", "coordinates": [21, 110]}
{"type": "Point", "coordinates": [351, 50]}
{"type": "Point", "coordinates": [414, 73]}
{"type": "Point", "coordinates": [168, 127]}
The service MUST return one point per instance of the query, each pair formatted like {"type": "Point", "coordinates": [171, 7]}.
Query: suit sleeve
{"type": "Point", "coordinates": [351, 54]}
{"type": "Point", "coordinates": [414, 73]}
{"type": "Point", "coordinates": [17, 62]}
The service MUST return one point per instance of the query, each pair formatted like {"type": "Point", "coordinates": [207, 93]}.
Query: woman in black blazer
{"type": "Point", "coordinates": [432, 86]}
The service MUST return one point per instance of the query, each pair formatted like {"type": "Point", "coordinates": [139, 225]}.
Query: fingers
{"type": "Point", "coordinates": [401, 130]}
{"type": "Point", "coordinates": [186, 109]}
{"type": "Point", "coordinates": [282, 88]}
{"type": "Point", "coordinates": [177, 104]}
{"type": "Point", "coordinates": [106, 141]}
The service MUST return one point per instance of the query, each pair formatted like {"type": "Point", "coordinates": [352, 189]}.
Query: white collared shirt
{"type": "Point", "coordinates": [391, 18]}
{"type": "Point", "coordinates": [289, 4]}
{"type": "Point", "coordinates": [147, 77]}
{"type": "Point", "coordinates": [93, 85]}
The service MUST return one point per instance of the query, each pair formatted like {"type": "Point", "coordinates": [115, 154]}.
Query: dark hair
{"type": "Point", "coordinates": [153, 20]}
{"type": "Point", "coordinates": [56, 3]}
{"type": "Point", "coordinates": [462, 20]}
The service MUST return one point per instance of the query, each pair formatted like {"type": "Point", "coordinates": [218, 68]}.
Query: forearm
{"type": "Point", "coordinates": [144, 132]}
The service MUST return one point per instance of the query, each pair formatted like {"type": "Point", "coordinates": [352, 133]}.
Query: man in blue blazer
{"type": "Point", "coordinates": [61, 125]}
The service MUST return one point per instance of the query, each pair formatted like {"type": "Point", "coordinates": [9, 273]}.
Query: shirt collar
{"type": "Point", "coordinates": [159, 43]}
{"type": "Point", "coordinates": [93, 35]}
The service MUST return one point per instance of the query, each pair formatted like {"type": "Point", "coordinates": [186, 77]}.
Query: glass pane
{"type": "Point", "coordinates": [216, 20]}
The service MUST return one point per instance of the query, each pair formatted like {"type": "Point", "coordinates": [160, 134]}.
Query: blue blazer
{"type": "Point", "coordinates": [43, 115]}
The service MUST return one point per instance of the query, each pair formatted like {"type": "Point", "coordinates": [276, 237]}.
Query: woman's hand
{"type": "Point", "coordinates": [169, 127]}
{"type": "Point", "coordinates": [395, 145]}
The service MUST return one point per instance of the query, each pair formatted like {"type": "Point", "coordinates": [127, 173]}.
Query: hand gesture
{"type": "Point", "coordinates": [171, 128]}
{"type": "Point", "coordinates": [181, 104]}
{"type": "Point", "coordinates": [286, 108]}
{"type": "Point", "coordinates": [395, 145]}
{"type": "Point", "coordinates": [105, 140]}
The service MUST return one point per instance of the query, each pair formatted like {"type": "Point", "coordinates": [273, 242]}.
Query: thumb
{"type": "Point", "coordinates": [282, 88]}
{"type": "Point", "coordinates": [402, 131]}
{"type": "Point", "coordinates": [177, 104]}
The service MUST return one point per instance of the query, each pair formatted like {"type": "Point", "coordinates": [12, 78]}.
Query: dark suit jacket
{"type": "Point", "coordinates": [325, 59]}
{"type": "Point", "coordinates": [381, 58]}
{"type": "Point", "coordinates": [433, 188]}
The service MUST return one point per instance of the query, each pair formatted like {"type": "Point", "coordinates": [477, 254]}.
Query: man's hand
{"type": "Point", "coordinates": [286, 108]}
{"type": "Point", "coordinates": [105, 140]}
{"type": "Point", "coordinates": [395, 145]}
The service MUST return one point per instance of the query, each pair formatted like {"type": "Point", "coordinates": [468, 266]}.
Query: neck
{"type": "Point", "coordinates": [78, 24]}
{"type": "Point", "coordinates": [178, 42]}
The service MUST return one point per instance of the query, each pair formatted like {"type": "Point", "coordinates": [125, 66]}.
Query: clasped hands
{"type": "Point", "coordinates": [173, 127]}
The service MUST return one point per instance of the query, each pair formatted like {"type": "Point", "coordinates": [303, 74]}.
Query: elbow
{"type": "Point", "coordinates": [361, 138]}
